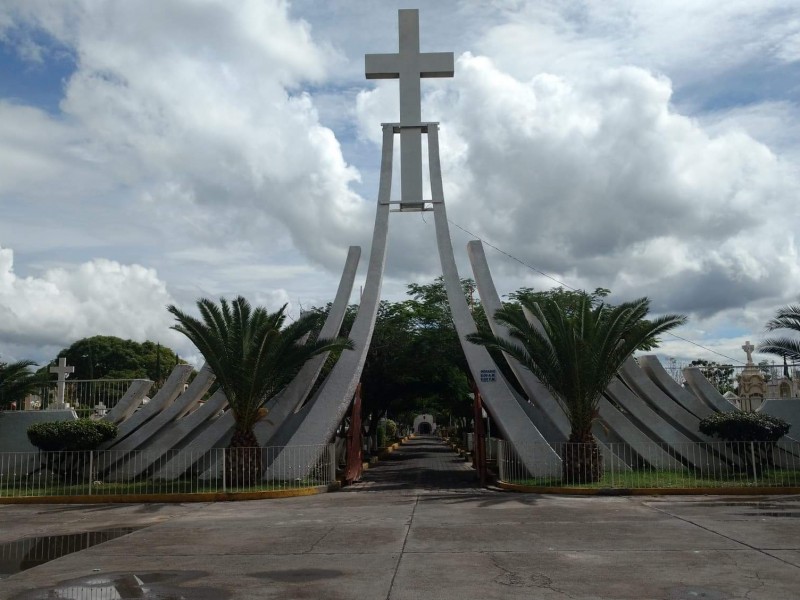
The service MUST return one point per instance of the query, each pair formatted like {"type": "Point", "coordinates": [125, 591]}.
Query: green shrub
{"type": "Point", "coordinates": [751, 436]}
{"type": "Point", "coordinates": [744, 427]}
{"type": "Point", "coordinates": [381, 435]}
{"type": "Point", "coordinates": [83, 434]}
{"type": "Point", "coordinates": [391, 430]}
{"type": "Point", "coordinates": [66, 446]}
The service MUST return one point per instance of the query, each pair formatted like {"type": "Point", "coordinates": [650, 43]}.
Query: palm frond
{"type": "Point", "coordinates": [250, 352]}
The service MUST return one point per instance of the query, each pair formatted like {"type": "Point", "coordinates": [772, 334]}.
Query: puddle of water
{"type": "Point", "coordinates": [743, 504]}
{"type": "Point", "coordinates": [788, 515]}
{"type": "Point", "coordinates": [30, 552]}
{"type": "Point", "coordinates": [299, 575]}
{"type": "Point", "coordinates": [165, 585]}
{"type": "Point", "coordinates": [695, 593]}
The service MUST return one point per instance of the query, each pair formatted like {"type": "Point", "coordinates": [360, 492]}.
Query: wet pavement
{"type": "Point", "coordinates": [417, 527]}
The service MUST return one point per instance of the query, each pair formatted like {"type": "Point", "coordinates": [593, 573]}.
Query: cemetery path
{"type": "Point", "coordinates": [424, 464]}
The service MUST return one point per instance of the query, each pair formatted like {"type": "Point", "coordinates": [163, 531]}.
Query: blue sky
{"type": "Point", "coordinates": [154, 153]}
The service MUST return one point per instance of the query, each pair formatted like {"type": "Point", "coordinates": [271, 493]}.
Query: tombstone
{"type": "Point", "coordinates": [752, 383]}
{"type": "Point", "coordinates": [63, 371]}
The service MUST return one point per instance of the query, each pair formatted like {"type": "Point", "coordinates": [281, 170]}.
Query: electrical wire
{"type": "Point", "coordinates": [561, 283]}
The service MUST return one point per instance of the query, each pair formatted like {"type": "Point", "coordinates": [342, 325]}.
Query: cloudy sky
{"type": "Point", "coordinates": [155, 152]}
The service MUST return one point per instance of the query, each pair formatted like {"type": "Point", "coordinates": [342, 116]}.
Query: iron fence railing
{"type": "Point", "coordinates": [725, 377]}
{"type": "Point", "coordinates": [654, 465]}
{"type": "Point", "coordinates": [84, 395]}
{"type": "Point", "coordinates": [30, 474]}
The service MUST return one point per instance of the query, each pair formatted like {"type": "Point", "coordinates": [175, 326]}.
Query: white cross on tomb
{"type": "Point", "coordinates": [748, 349]}
{"type": "Point", "coordinates": [63, 372]}
{"type": "Point", "coordinates": [409, 65]}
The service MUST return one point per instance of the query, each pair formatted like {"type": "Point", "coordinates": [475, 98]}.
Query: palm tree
{"type": "Point", "coordinates": [787, 317]}
{"type": "Point", "coordinates": [16, 382]}
{"type": "Point", "coordinates": [575, 353]}
{"type": "Point", "coordinates": [253, 357]}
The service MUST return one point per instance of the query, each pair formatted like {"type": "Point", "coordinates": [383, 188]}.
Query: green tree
{"type": "Point", "coordinates": [576, 354]}
{"type": "Point", "coordinates": [110, 357]}
{"type": "Point", "coordinates": [788, 318]}
{"type": "Point", "coordinates": [720, 376]}
{"type": "Point", "coordinates": [16, 382]}
{"type": "Point", "coordinates": [253, 356]}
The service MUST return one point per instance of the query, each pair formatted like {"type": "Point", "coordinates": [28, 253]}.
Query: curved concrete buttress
{"type": "Point", "coordinates": [550, 415]}
{"type": "Point", "coordinates": [185, 402]}
{"type": "Point", "coordinates": [672, 411]}
{"type": "Point", "coordinates": [663, 404]}
{"type": "Point", "coordinates": [193, 437]}
{"type": "Point", "coordinates": [787, 409]}
{"type": "Point", "coordinates": [337, 391]}
{"type": "Point", "coordinates": [171, 389]}
{"type": "Point", "coordinates": [658, 428]}
{"type": "Point", "coordinates": [653, 368]}
{"type": "Point", "coordinates": [545, 411]}
{"type": "Point", "coordinates": [129, 402]}
{"type": "Point", "coordinates": [292, 398]}
{"type": "Point", "coordinates": [532, 448]}
{"type": "Point", "coordinates": [144, 437]}
{"type": "Point", "coordinates": [634, 440]}
{"type": "Point", "coordinates": [706, 392]}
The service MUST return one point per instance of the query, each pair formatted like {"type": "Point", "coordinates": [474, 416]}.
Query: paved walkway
{"type": "Point", "coordinates": [408, 539]}
{"type": "Point", "coordinates": [424, 464]}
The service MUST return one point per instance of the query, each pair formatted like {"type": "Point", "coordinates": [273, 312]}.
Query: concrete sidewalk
{"type": "Point", "coordinates": [413, 542]}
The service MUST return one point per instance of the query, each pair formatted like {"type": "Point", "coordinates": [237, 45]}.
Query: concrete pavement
{"type": "Point", "coordinates": [400, 536]}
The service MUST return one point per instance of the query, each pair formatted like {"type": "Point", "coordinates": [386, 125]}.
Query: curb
{"type": "Point", "coordinates": [172, 498]}
{"type": "Point", "coordinates": [701, 491]}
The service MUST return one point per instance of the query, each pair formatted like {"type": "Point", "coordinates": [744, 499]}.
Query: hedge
{"type": "Point", "coordinates": [64, 436]}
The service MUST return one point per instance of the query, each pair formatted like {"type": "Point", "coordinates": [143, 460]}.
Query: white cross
{"type": "Point", "coordinates": [748, 349]}
{"type": "Point", "coordinates": [63, 372]}
{"type": "Point", "coordinates": [409, 65]}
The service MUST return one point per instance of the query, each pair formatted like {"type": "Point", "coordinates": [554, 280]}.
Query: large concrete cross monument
{"type": "Point", "coordinates": [409, 65]}
{"type": "Point", "coordinates": [63, 371]}
{"type": "Point", "coordinates": [317, 421]}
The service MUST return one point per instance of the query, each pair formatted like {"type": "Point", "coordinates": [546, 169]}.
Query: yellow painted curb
{"type": "Point", "coordinates": [171, 498]}
{"type": "Point", "coordinates": [700, 491]}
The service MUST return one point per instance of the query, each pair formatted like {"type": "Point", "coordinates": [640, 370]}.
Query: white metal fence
{"type": "Point", "coordinates": [689, 465]}
{"type": "Point", "coordinates": [26, 474]}
{"type": "Point", "coordinates": [81, 394]}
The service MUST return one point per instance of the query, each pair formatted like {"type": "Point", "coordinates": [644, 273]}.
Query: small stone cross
{"type": "Point", "coordinates": [63, 372]}
{"type": "Point", "coordinates": [748, 349]}
{"type": "Point", "coordinates": [409, 65]}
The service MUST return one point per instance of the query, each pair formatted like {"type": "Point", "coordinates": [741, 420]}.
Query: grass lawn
{"type": "Point", "coordinates": [673, 479]}
{"type": "Point", "coordinates": [19, 488]}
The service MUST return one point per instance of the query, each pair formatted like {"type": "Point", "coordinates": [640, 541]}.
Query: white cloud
{"type": "Point", "coordinates": [63, 305]}
{"type": "Point", "coordinates": [198, 138]}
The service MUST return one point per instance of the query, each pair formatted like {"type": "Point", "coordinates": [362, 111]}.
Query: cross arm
{"type": "Point", "coordinates": [381, 66]}
{"type": "Point", "coordinates": [437, 64]}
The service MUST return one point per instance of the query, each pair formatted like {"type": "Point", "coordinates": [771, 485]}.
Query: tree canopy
{"type": "Point", "coordinates": [16, 382]}
{"type": "Point", "coordinates": [109, 357]}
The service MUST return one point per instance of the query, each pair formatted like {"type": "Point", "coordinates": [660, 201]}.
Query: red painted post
{"type": "Point", "coordinates": [355, 460]}
{"type": "Point", "coordinates": [479, 455]}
